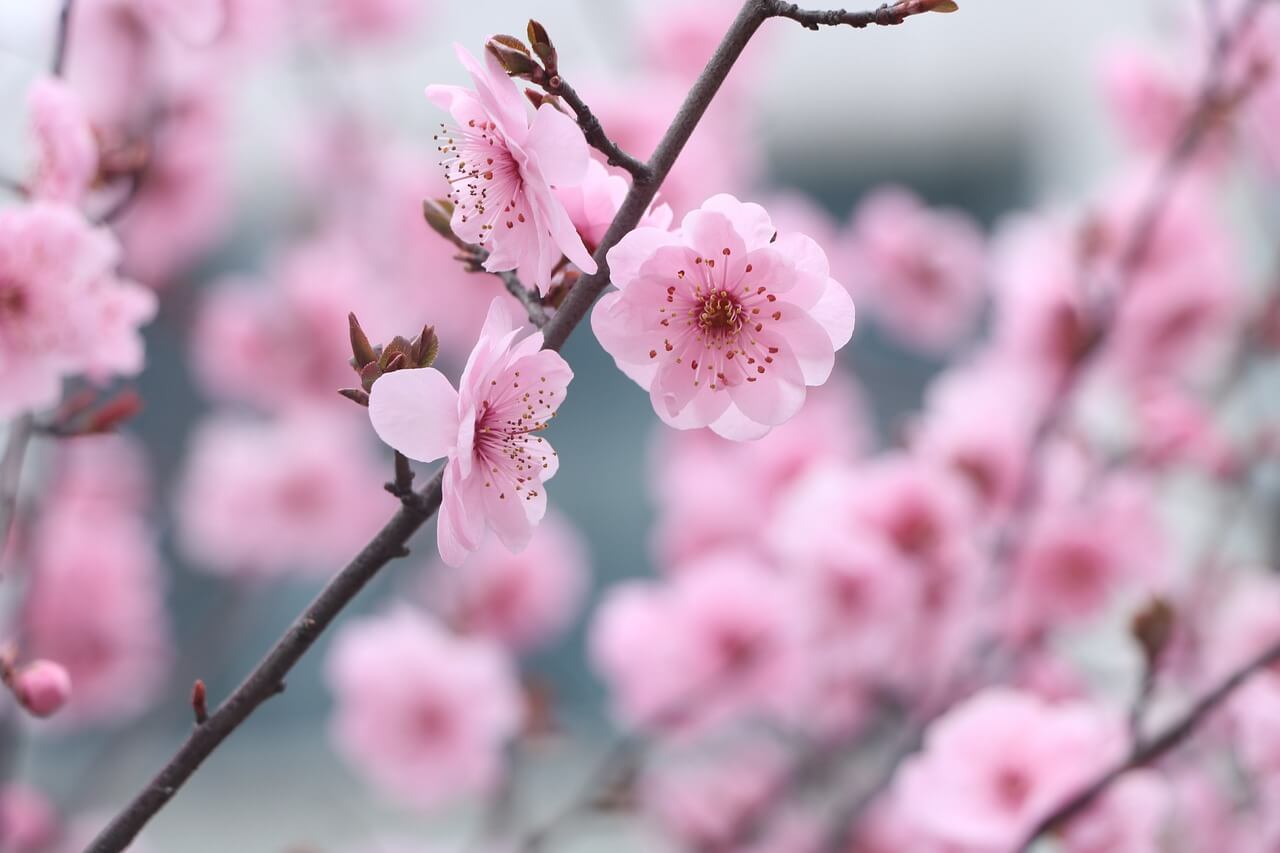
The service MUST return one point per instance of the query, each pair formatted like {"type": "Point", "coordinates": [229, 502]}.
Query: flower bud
{"type": "Point", "coordinates": [516, 62]}
{"type": "Point", "coordinates": [542, 46]}
{"type": "Point", "coordinates": [361, 350]}
{"type": "Point", "coordinates": [42, 687]}
{"type": "Point", "coordinates": [438, 212]}
{"type": "Point", "coordinates": [1152, 627]}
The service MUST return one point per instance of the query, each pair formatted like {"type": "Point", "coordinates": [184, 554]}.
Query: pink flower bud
{"type": "Point", "coordinates": [42, 687]}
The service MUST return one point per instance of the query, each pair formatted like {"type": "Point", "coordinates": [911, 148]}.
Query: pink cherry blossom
{"type": "Point", "coordinates": [96, 606]}
{"type": "Point", "coordinates": [711, 492]}
{"type": "Point", "coordinates": [520, 600]}
{"type": "Point", "coordinates": [504, 169]}
{"type": "Point", "coordinates": [42, 687]}
{"type": "Point", "coordinates": [67, 160]}
{"type": "Point", "coordinates": [997, 763]}
{"type": "Point", "coordinates": [488, 428]}
{"type": "Point", "coordinates": [730, 622]}
{"type": "Point", "coordinates": [1080, 552]}
{"type": "Point", "coordinates": [1129, 818]}
{"type": "Point", "coordinates": [371, 20]}
{"type": "Point", "coordinates": [723, 325]}
{"type": "Point", "coordinates": [592, 204]}
{"type": "Point", "coordinates": [266, 498]}
{"type": "Point", "coordinates": [1149, 99]}
{"type": "Point", "coordinates": [1174, 426]}
{"type": "Point", "coordinates": [63, 311]}
{"type": "Point", "coordinates": [27, 819]}
{"type": "Point", "coordinates": [422, 714]}
{"type": "Point", "coordinates": [289, 344]}
{"type": "Point", "coordinates": [922, 270]}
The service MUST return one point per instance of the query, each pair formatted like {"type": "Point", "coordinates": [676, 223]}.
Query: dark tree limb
{"type": "Point", "coordinates": [595, 133]}
{"type": "Point", "coordinates": [888, 15]}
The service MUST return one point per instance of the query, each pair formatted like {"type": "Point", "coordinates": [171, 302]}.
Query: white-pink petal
{"type": "Point", "coordinates": [415, 412]}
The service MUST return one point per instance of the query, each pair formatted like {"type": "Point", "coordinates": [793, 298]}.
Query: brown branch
{"type": "Point", "coordinates": [1150, 750]}
{"type": "Point", "coordinates": [15, 452]}
{"type": "Point", "coordinates": [595, 133]}
{"type": "Point", "coordinates": [528, 299]}
{"type": "Point", "coordinates": [59, 62]}
{"type": "Point", "coordinates": [268, 676]}
{"type": "Point", "coordinates": [888, 15]}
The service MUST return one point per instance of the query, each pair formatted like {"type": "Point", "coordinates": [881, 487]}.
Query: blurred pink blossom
{"type": "Point", "coordinates": [487, 428]}
{"type": "Point", "coordinates": [1129, 818]}
{"type": "Point", "coordinates": [423, 714]}
{"type": "Point", "coordinates": [1149, 99]}
{"type": "Point", "coordinates": [28, 823]}
{"type": "Point", "coordinates": [997, 763]}
{"type": "Point", "coordinates": [63, 311]}
{"type": "Point", "coordinates": [592, 204]}
{"type": "Point", "coordinates": [503, 169]}
{"type": "Point", "coordinates": [731, 623]}
{"type": "Point", "coordinates": [749, 334]}
{"type": "Point", "coordinates": [266, 498]}
{"type": "Point", "coordinates": [921, 269]}
{"type": "Point", "coordinates": [67, 160]}
{"type": "Point", "coordinates": [520, 600]}
{"type": "Point", "coordinates": [711, 492]}
{"type": "Point", "coordinates": [372, 20]}
{"type": "Point", "coordinates": [1175, 426]}
{"type": "Point", "coordinates": [42, 687]}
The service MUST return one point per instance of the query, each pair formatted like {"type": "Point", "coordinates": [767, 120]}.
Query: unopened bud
{"type": "Point", "coordinates": [42, 687]}
{"type": "Point", "coordinates": [1152, 627]}
{"type": "Point", "coordinates": [542, 46]}
{"type": "Point", "coordinates": [426, 346]}
{"type": "Point", "coordinates": [119, 409]}
{"type": "Point", "coordinates": [361, 350]}
{"type": "Point", "coordinates": [516, 62]}
{"type": "Point", "coordinates": [945, 6]}
{"type": "Point", "coordinates": [438, 213]}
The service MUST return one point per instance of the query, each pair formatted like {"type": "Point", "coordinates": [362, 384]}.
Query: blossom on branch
{"type": "Point", "coordinates": [488, 428]}
{"type": "Point", "coordinates": [504, 169]}
{"type": "Point", "coordinates": [724, 322]}
{"type": "Point", "coordinates": [68, 152]}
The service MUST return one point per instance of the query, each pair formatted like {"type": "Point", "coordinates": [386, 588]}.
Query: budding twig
{"type": "Point", "coordinates": [595, 133]}
{"type": "Point", "coordinates": [15, 452]}
{"type": "Point", "coordinates": [199, 703]}
{"type": "Point", "coordinates": [888, 15]}
{"type": "Point", "coordinates": [62, 37]}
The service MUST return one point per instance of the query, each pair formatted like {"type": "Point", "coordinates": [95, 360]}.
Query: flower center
{"type": "Point", "coordinates": [485, 180]}
{"type": "Point", "coordinates": [720, 314]}
{"type": "Point", "coordinates": [14, 300]}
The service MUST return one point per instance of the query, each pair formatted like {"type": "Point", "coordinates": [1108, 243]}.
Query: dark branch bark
{"type": "Point", "coordinates": [594, 131]}
{"type": "Point", "coordinates": [1154, 748]}
{"type": "Point", "coordinates": [529, 300]}
{"type": "Point", "coordinates": [888, 15]}
{"type": "Point", "coordinates": [15, 453]}
{"type": "Point", "coordinates": [61, 39]}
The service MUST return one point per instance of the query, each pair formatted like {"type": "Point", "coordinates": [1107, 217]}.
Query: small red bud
{"type": "Point", "coordinates": [42, 687]}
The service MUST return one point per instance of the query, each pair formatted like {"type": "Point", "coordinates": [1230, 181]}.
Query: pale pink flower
{"type": "Point", "coordinates": [266, 498]}
{"type": "Point", "coordinates": [958, 432]}
{"type": "Point", "coordinates": [183, 202]}
{"type": "Point", "coordinates": [996, 764]}
{"type": "Point", "coordinates": [67, 160]}
{"type": "Point", "coordinates": [1245, 624]}
{"type": "Point", "coordinates": [592, 204]}
{"type": "Point", "coordinates": [103, 474]}
{"type": "Point", "coordinates": [42, 687]}
{"type": "Point", "coordinates": [28, 823]}
{"type": "Point", "coordinates": [96, 606]}
{"type": "Point", "coordinates": [63, 311]}
{"type": "Point", "coordinates": [504, 168]}
{"type": "Point", "coordinates": [921, 269]}
{"type": "Point", "coordinates": [423, 714]}
{"type": "Point", "coordinates": [488, 428]}
{"type": "Point", "coordinates": [112, 67]}
{"type": "Point", "coordinates": [679, 36]}
{"type": "Point", "coordinates": [706, 802]}
{"type": "Point", "coordinates": [1174, 426]}
{"type": "Point", "coordinates": [1079, 552]}
{"type": "Point", "coordinates": [731, 623]}
{"type": "Point", "coordinates": [1149, 99]}
{"type": "Point", "coordinates": [371, 20]}
{"type": "Point", "coordinates": [278, 346]}
{"type": "Point", "coordinates": [711, 492]}
{"type": "Point", "coordinates": [521, 600]}
{"type": "Point", "coordinates": [723, 324]}
{"type": "Point", "coordinates": [1129, 818]}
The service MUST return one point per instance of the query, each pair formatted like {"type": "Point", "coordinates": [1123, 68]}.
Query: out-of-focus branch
{"type": "Point", "coordinates": [1149, 750]}
{"type": "Point", "coordinates": [13, 186]}
{"type": "Point", "coordinates": [62, 38]}
{"type": "Point", "coordinates": [15, 452]}
{"type": "Point", "coordinates": [595, 133]}
{"type": "Point", "coordinates": [268, 676]}
{"type": "Point", "coordinates": [888, 15]}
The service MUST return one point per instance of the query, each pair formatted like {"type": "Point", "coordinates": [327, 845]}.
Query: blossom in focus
{"type": "Point", "coordinates": [423, 714]}
{"type": "Point", "coordinates": [730, 622]}
{"type": "Point", "coordinates": [488, 428]}
{"type": "Point", "coordinates": [63, 310]}
{"type": "Point", "coordinates": [520, 600]}
{"type": "Point", "coordinates": [723, 324]}
{"type": "Point", "coordinates": [67, 160]}
{"type": "Point", "coordinates": [504, 169]}
{"type": "Point", "coordinates": [922, 270]}
{"type": "Point", "coordinates": [994, 765]}
{"type": "Point", "coordinates": [592, 204]}
{"type": "Point", "coordinates": [267, 498]}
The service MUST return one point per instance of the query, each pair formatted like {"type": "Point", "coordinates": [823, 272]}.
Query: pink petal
{"type": "Point", "coordinates": [710, 232]}
{"type": "Point", "coordinates": [750, 221]}
{"type": "Point", "coordinates": [810, 344]}
{"type": "Point", "coordinates": [835, 312]}
{"type": "Point", "coordinates": [736, 426]}
{"type": "Point", "coordinates": [415, 412]}
{"type": "Point", "coordinates": [633, 250]}
{"type": "Point", "coordinates": [557, 143]}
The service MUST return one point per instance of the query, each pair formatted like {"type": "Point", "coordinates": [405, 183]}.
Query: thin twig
{"type": "Point", "coordinates": [888, 15]}
{"type": "Point", "coordinates": [529, 300]}
{"type": "Point", "coordinates": [13, 186]}
{"type": "Point", "coordinates": [15, 452]}
{"type": "Point", "coordinates": [268, 676]}
{"type": "Point", "coordinates": [595, 133]}
{"type": "Point", "coordinates": [62, 38]}
{"type": "Point", "coordinates": [1150, 750]}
